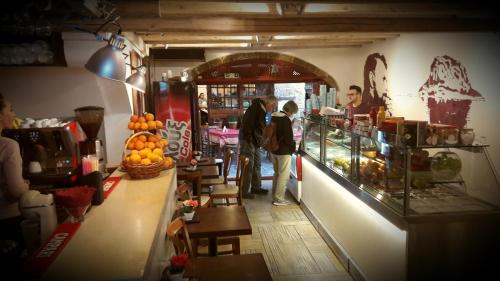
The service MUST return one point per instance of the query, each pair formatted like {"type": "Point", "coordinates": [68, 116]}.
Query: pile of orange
{"type": "Point", "coordinates": [144, 123]}
{"type": "Point", "coordinates": [146, 150]}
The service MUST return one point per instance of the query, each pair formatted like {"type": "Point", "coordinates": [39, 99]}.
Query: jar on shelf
{"type": "Point", "coordinates": [467, 136]}
{"type": "Point", "coordinates": [445, 166]}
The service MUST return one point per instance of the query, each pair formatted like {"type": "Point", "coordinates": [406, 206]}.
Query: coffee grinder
{"type": "Point", "coordinates": [90, 119]}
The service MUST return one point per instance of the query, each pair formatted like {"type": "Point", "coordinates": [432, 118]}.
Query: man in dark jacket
{"type": "Point", "coordinates": [282, 156]}
{"type": "Point", "coordinates": [250, 137]}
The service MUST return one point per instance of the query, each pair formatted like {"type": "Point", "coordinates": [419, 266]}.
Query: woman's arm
{"type": "Point", "coordinates": [13, 171]}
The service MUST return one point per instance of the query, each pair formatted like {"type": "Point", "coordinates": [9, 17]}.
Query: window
{"type": "Point", "coordinates": [224, 96]}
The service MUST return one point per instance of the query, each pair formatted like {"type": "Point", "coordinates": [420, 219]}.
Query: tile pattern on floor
{"type": "Point", "coordinates": [292, 248]}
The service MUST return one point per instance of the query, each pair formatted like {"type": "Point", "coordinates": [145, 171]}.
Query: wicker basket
{"type": "Point", "coordinates": [141, 171]}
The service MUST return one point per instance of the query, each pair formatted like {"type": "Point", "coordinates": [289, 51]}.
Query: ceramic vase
{"type": "Point", "coordinates": [188, 216]}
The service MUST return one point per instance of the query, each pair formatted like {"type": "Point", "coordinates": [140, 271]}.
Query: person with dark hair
{"type": "Point", "coordinates": [356, 103]}
{"type": "Point", "coordinates": [282, 157]}
{"type": "Point", "coordinates": [12, 184]}
{"type": "Point", "coordinates": [375, 92]}
{"type": "Point", "coordinates": [251, 139]}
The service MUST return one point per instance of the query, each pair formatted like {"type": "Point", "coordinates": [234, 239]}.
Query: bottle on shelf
{"type": "Point", "coordinates": [380, 116]}
{"type": "Point", "coordinates": [373, 116]}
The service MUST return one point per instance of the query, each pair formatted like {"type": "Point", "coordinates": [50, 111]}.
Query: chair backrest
{"type": "Point", "coordinates": [228, 156]}
{"type": "Point", "coordinates": [178, 234]}
{"type": "Point", "coordinates": [182, 192]}
{"type": "Point", "coordinates": [241, 172]}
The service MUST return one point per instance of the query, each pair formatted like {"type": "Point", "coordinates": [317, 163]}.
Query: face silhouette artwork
{"type": "Point", "coordinates": [448, 92]}
{"type": "Point", "coordinates": [375, 90]}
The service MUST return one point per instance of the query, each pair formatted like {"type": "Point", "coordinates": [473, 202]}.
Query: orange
{"type": "Point", "coordinates": [150, 117]}
{"type": "Point", "coordinates": [145, 161]}
{"type": "Point", "coordinates": [159, 124]}
{"type": "Point", "coordinates": [137, 126]}
{"type": "Point", "coordinates": [143, 153]}
{"type": "Point", "coordinates": [159, 144]}
{"type": "Point", "coordinates": [131, 125]}
{"type": "Point", "coordinates": [164, 141]}
{"type": "Point", "coordinates": [139, 145]}
{"type": "Point", "coordinates": [152, 124]}
{"type": "Point", "coordinates": [131, 145]}
{"type": "Point", "coordinates": [158, 151]}
{"type": "Point", "coordinates": [144, 126]}
{"type": "Point", "coordinates": [143, 138]}
{"type": "Point", "coordinates": [135, 158]}
{"type": "Point", "coordinates": [151, 145]}
{"type": "Point", "coordinates": [152, 138]}
{"type": "Point", "coordinates": [134, 152]}
{"type": "Point", "coordinates": [134, 118]}
{"type": "Point", "coordinates": [141, 119]}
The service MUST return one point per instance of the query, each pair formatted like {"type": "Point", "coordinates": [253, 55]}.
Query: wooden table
{"type": "Point", "coordinates": [220, 222]}
{"type": "Point", "coordinates": [250, 267]}
{"type": "Point", "coordinates": [207, 172]}
{"type": "Point", "coordinates": [208, 162]}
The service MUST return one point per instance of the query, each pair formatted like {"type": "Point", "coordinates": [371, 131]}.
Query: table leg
{"type": "Point", "coordinates": [212, 246]}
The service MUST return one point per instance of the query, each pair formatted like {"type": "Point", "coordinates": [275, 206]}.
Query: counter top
{"type": "Point", "coordinates": [120, 238]}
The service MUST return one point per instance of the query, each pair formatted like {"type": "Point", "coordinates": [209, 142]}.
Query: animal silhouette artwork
{"type": "Point", "coordinates": [448, 92]}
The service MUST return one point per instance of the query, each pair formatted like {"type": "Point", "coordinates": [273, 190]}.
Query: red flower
{"type": "Point", "coordinates": [194, 162]}
{"type": "Point", "coordinates": [177, 263]}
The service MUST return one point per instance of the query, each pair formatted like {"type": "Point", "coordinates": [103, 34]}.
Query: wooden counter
{"type": "Point", "coordinates": [123, 238]}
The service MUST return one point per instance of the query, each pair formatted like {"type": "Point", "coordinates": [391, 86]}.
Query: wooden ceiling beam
{"type": "Point", "coordinates": [228, 25]}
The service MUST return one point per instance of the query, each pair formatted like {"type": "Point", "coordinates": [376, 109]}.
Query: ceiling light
{"type": "Point", "coordinates": [138, 79]}
{"type": "Point", "coordinates": [109, 62]}
{"type": "Point", "coordinates": [270, 45]}
{"type": "Point", "coordinates": [244, 45]}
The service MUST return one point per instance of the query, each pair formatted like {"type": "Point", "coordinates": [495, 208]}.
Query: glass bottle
{"type": "Point", "coordinates": [373, 116]}
{"type": "Point", "coordinates": [380, 116]}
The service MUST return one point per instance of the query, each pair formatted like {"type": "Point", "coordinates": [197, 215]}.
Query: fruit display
{"type": "Point", "coordinates": [372, 171]}
{"type": "Point", "coordinates": [343, 164]}
{"type": "Point", "coordinates": [144, 123]}
{"type": "Point", "coordinates": [445, 166]}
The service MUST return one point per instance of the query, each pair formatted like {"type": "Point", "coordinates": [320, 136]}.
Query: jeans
{"type": "Point", "coordinates": [281, 165]}
{"type": "Point", "coordinates": [253, 178]}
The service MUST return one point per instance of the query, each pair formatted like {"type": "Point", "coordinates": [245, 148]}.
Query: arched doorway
{"type": "Point", "coordinates": [232, 82]}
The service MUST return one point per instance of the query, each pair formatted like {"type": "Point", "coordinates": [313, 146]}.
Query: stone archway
{"type": "Point", "coordinates": [264, 55]}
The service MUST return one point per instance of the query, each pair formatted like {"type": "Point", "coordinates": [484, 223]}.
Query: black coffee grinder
{"type": "Point", "coordinates": [90, 119]}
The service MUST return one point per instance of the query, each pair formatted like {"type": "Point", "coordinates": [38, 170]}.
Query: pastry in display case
{"type": "Point", "coordinates": [312, 135]}
{"type": "Point", "coordinates": [404, 172]}
{"type": "Point", "coordinates": [338, 150]}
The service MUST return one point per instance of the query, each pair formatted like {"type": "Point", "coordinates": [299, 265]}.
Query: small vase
{"type": "Point", "coordinates": [188, 216]}
{"type": "Point", "coordinates": [175, 276]}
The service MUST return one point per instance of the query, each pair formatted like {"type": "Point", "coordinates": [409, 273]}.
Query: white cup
{"type": "Point", "coordinates": [197, 157]}
{"type": "Point", "coordinates": [39, 124]}
{"type": "Point", "coordinates": [35, 167]}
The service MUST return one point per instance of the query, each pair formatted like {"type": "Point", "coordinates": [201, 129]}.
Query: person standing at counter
{"type": "Point", "coordinates": [12, 184]}
{"type": "Point", "coordinates": [282, 156]}
{"type": "Point", "coordinates": [356, 104]}
{"type": "Point", "coordinates": [250, 138]}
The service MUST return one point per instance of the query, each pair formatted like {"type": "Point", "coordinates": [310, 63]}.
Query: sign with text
{"type": "Point", "coordinates": [173, 107]}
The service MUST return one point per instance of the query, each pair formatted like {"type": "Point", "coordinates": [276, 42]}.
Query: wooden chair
{"type": "Point", "coordinates": [206, 184]}
{"type": "Point", "coordinates": [227, 191]}
{"type": "Point", "coordinates": [183, 194]}
{"type": "Point", "coordinates": [177, 232]}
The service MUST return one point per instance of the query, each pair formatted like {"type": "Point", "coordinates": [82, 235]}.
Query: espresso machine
{"type": "Point", "coordinates": [50, 155]}
{"type": "Point", "coordinates": [39, 207]}
{"type": "Point", "coordinates": [90, 119]}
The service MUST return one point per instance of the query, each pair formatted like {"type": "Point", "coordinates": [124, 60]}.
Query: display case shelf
{"type": "Point", "coordinates": [398, 175]}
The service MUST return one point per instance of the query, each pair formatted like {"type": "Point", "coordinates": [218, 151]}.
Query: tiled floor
{"type": "Point", "coordinates": [292, 248]}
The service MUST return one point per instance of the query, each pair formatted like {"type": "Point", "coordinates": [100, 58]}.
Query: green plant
{"type": "Point", "coordinates": [232, 118]}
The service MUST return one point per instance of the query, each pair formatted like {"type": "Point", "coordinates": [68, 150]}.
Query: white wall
{"type": "Point", "coordinates": [409, 58]}
{"type": "Point", "coordinates": [375, 245]}
{"type": "Point", "coordinates": [41, 92]}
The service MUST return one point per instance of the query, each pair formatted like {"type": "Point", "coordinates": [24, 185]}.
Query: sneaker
{"type": "Point", "coordinates": [259, 191]}
{"type": "Point", "coordinates": [281, 203]}
{"type": "Point", "coordinates": [248, 195]}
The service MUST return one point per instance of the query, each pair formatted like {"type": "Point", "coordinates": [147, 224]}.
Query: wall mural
{"type": "Point", "coordinates": [375, 89]}
{"type": "Point", "coordinates": [448, 92]}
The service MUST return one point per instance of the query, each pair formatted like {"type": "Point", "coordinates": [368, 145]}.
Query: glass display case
{"type": "Point", "coordinates": [409, 179]}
